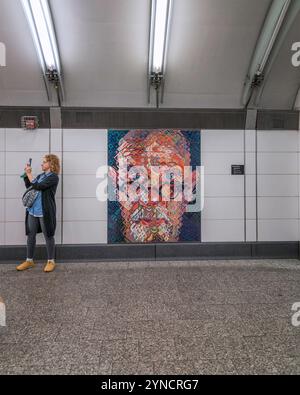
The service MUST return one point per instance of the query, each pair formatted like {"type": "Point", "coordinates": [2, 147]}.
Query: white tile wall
{"type": "Point", "coordinates": [56, 140]}
{"type": "Point", "coordinates": [80, 186]}
{"type": "Point", "coordinates": [85, 219]}
{"type": "Point", "coordinates": [278, 163]}
{"type": "Point", "coordinates": [2, 234]}
{"type": "Point", "coordinates": [278, 208]}
{"type": "Point", "coordinates": [90, 232]}
{"type": "Point", "coordinates": [278, 186]}
{"type": "Point", "coordinates": [222, 141]}
{"type": "Point", "coordinates": [15, 187]}
{"type": "Point", "coordinates": [2, 185]}
{"type": "Point", "coordinates": [20, 146]}
{"type": "Point", "coordinates": [2, 163]}
{"type": "Point", "coordinates": [223, 208]}
{"type": "Point", "coordinates": [85, 140]}
{"type": "Point", "coordinates": [278, 230]}
{"type": "Point", "coordinates": [15, 234]}
{"type": "Point", "coordinates": [89, 209]}
{"type": "Point", "coordinates": [251, 208]}
{"type": "Point", "coordinates": [2, 140]}
{"type": "Point", "coordinates": [18, 140]}
{"type": "Point", "coordinates": [250, 136]}
{"type": "Point", "coordinates": [251, 230]}
{"type": "Point", "coordinates": [83, 163]}
{"type": "Point", "coordinates": [2, 212]}
{"type": "Point", "coordinates": [223, 231]}
{"type": "Point", "coordinates": [59, 188]}
{"type": "Point", "coordinates": [250, 169]}
{"type": "Point", "coordinates": [299, 202]}
{"type": "Point", "coordinates": [16, 162]}
{"type": "Point", "coordinates": [220, 163]}
{"type": "Point", "coordinates": [224, 186]}
{"type": "Point", "coordinates": [277, 141]}
{"type": "Point", "coordinates": [15, 212]}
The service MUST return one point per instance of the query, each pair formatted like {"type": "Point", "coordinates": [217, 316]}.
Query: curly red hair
{"type": "Point", "coordinates": [54, 163]}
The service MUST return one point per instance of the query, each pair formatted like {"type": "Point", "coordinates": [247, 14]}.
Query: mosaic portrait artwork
{"type": "Point", "coordinates": [154, 220]}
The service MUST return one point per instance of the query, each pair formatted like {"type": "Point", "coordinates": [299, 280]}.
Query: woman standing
{"type": "Point", "coordinates": [41, 217]}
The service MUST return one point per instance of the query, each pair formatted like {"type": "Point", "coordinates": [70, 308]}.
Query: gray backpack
{"type": "Point", "coordinates": [29, 197]}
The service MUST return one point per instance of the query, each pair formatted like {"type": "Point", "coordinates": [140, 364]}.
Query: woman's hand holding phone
{"type": "Point", "coordinates": [28, 169]}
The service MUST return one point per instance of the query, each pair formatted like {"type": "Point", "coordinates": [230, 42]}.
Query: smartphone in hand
{"type": "Point", "coordinates": [29, 164]}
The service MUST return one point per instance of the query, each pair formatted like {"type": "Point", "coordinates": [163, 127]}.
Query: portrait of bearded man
{"type": "Point", "coordinates": [153, 210]}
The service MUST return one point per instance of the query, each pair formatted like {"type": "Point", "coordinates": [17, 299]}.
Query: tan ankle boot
{"type": "Point", "coordinates": [50, 267]}
{"type": "Point", "coordinates": [25, 266]}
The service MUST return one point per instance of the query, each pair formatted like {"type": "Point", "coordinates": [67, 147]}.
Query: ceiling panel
{"type": "Point", "coordinates": [210, 49]}
{"type": "Point", "coordinates": [104, 50]}
{"type": "Point", "coordinates": [21, 81]}
{"type": "Point", "coordinates": [283, 82]}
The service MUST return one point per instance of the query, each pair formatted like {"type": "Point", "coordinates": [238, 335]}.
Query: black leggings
{"type": "Point", "coordinates": [33, 223]}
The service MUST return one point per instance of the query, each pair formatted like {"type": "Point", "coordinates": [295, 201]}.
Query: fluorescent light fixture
{"type": "Point", "coordinates": [270, 32]}
{"type": "Point", "coordinates": [274, 35]}
{"type": "Point", "coordinates": [42, 29]}
{"type": "Point", "coordinates": [159, 31]}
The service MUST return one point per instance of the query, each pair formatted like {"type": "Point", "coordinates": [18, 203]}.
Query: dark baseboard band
{"type": "Point", "coordinates": [158, 252]}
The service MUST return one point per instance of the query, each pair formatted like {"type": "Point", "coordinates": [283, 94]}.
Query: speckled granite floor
{"type": "Point", "coordinates": [216, 317]}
